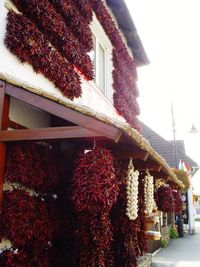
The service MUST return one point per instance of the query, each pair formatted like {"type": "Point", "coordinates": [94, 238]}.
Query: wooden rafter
{"type": "Point", "coordinates": [159, 175]}
{"type": "Point", "coordinates": [15, 125]}
{"type": "Point", "coordinates": [63, 112]}
{"type": "Point", "coordinates": [151, 165]}
{"type": "Point", "coordinates": [89, 123]}
{"type": "Point", "coordinates": [132, 152]}
{"type": "Point", "coordinates": [4, 107]}
{"type": "Point", "coordinates": [4, 120]}
{"type": "Point", "coordinates": [47, 133]}
{"type": "Point", "coordinates": [148, 165]}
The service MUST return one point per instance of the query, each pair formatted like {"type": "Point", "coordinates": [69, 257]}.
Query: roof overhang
{"type": "Point", "coordinates": [124, 141]}
{"type": "Point", "coordinates": [126, 24]}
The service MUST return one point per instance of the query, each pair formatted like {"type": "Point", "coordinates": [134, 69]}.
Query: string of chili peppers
{"type": "Point", "coordinates": [32, 165]}
{"type": "Point", "coordinates": [85, 9]}
{"type": "Point", "coordinates": [54, 28]}
{"type": "Point", "coordinates": [178, 204]}
{"type": "Point", "coordinates": [94, 191]}
{"type": "Point", "coordinates": [164, 199]}
{"type": "Point", "coordinates": [74, 20]}
{"type": "Point", "coordinates": [25, 41]}
{"type": "Point", "coordinates": [22, 258]}
{"type": "Point", "coordinates": [25, 219]}
{"type": "Point", "coordinates": [33, 223]}
{"type": "Point", "coordinates": [124, 74]}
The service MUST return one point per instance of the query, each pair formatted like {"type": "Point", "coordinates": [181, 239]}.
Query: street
{"type": "Point", "coordinates": [183, 252]}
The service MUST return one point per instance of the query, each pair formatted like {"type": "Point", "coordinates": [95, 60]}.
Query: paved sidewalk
{"type": "Point", "coordinates": [183, 252]}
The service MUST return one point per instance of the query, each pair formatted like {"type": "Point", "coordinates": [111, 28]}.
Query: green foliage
{"type": "Point", "coordinates": [173, 233]}
{"type": "Point", "coordinates": [164, 243]}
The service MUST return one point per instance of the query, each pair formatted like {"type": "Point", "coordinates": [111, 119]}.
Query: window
{"type": "Point", "coordinates": [101, 56]}
{"type": "Point", "coordinates": [92, 55]}
{"type": "Point", "coordinates": [98, 57]}
{"type": "Point", "coordinates": [102, 73]}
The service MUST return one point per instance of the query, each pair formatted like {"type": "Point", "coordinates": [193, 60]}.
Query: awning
{"type": "Point", "coordinates": [86, 124]}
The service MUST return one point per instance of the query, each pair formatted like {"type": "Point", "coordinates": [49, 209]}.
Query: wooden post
{"type": "Point", "coordinates": [164, 218]}
{"type": "Point", "coordinates": [4, 121]}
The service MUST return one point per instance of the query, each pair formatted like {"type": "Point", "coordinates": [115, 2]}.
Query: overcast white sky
{"type": "Point", "coordinates": [170, 33]}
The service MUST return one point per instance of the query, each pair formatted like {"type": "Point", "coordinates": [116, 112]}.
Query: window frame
{"type": "Point", "coordinates": [98, 43]}
{"type": "Point", "coordinates": [102, 39]}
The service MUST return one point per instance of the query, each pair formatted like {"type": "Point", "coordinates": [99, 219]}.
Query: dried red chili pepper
{"type": "Point", "coordinates": [25, 220]}
{"type": "Point", "coordinates": [124, 73]}
{"type": "Point", "coordinates": [53, 26]}
{"type": "Point", "coordinates": [94, 187]}
{"type": "Point", "coordinates": [94, 191]}
{"type": "Point", "coordinates": [32, 165]}
{"type": "Point", "coordinates": [178, 204]}
{"type": "Point", "coordinates": [73, 19]}
{"type": "Point", "coordinates": [85, 9]}
{"type": "Point", "coordinates": [27, 258]}
{"type": "Point", "coordinates": [15, 259]}
{"type": "Point", "coordinates": [164, 199]}
{"type": "Point", "coordinates": [25, 41]}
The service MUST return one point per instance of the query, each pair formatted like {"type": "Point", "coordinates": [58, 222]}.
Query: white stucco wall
{"type": "Point", "coordinates": [27, 115]}
{"type": "Point", "coordinates": [91, 95]}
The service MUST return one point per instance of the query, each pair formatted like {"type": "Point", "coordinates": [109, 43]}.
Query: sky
{"type": "Point", "coordinates": [170, 33]}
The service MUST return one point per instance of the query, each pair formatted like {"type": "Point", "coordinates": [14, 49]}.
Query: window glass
{"type": "Point", "coordinates": [98, 58]}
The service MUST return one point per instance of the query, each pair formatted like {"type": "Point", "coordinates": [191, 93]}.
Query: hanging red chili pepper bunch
{"type": "Point", "coordinates": [22, 258]}
{"type": "Point", "coordinates": [178, 204]}
{"type": "Point", "coordinates": [126, 92]}
{"type": "Point", "coordinates": [128, 109]}
{"type": "Point", "coordinates": [53, 26]}
{"type": "Point", "coordinates": [94, 187]}
{"type": "Point", "coordinates": [32, 165]}
{"type": "Point", "coordinates": [173, 185]}
{"type": "Point", "coordinates": [122, 85]}
{"type": "Point", "coordinates": [129, 239]}
{"type": "Point", "coordinates": [44, 257]}
{"type": "Point", "coordinates": [164, 199]}
{"type": "Point", "coordinates": [109, 26]}
{"type": "Point", "coordinates": [57, 215]}
{"type": "Point", "coordinates": [25, 41]}
{"type": "Point", "coordinates": [124, 74]}
{"type": "Point", "coordinates": [10, 258]}
{"type": "Point", "coordinates": [25, 220]}
{"type": "Point", "coordinates": [94, 191]}
{"type": "Point", "coordinates": [85, 9]}
{"type": "Point", "coordinates": [92, 241]}
{"type": "Point", "coordinates": [131, 102]}
{"type": "Point", "coordinates": [73, 19]}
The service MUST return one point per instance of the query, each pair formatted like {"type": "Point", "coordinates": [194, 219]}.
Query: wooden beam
{"type": "Point", "coordinates": [15, 125]}
{"type": "Point", "coordinates": [2, 167]}
{"type": "Point", "coordinates": [65, 113]}
{"type": "Point", "coordinates": [4, 119]}
{"type": "Point", "coordinates": [143, 166]}
{"type": "Point", "coordinates": [159, 175]}
{"type": "Point", "coordinates": [47, 133]}
{"type": "Point", "coordinates": [4, 107]}
{"type": "Point", "coordinates": [132, 152]}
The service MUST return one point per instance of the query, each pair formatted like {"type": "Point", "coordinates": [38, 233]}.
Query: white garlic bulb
{"type": "Point", "coordinates": [132, 192]}
{"type": "Point", "coordinates": [148, 193]}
